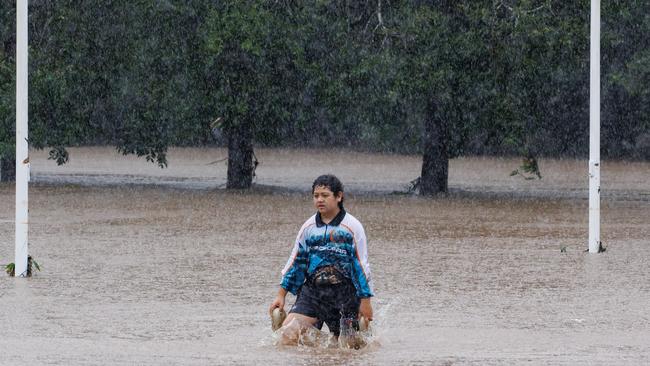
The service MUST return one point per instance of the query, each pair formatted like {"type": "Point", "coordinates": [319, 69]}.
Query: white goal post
{"type": "Point", "coordinates": [594, 129]}
{"type": "Point", "coordinates": [22, 148]}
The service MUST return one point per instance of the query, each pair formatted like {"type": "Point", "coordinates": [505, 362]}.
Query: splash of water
{"type": "Point", "coordinates": [302, 335]}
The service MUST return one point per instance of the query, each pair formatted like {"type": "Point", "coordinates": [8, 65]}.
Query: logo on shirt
{"type": "Point", "coordinates": [322, 248]}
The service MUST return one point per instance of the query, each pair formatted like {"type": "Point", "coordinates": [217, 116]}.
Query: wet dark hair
{"type": "Point", "coordinates": [331, 182]}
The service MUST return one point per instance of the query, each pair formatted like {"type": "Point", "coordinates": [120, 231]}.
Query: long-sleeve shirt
{"type": "Point", "coordinates": [340, 243]}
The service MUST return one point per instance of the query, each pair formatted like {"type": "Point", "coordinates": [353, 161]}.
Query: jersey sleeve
{"type": "Point", "coordinates": [360, 263]}
{"type": "Point", "coordinates": [294, 272]}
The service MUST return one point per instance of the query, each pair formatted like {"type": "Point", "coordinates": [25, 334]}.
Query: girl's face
{"type": "Point", "coordinates": [326, 202]}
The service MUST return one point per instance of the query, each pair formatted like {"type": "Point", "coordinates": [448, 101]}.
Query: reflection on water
{"type": "Point", "coordinates": [148, 275]}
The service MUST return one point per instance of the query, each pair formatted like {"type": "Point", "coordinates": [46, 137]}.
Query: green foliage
{"type": "Point", "coordinates": [509, 77]}
{"type": "Point", "coordinates": [626, 67]}
{"type": "Point", "coordinates": [250, 56]}
{"type": "Point", "coordinates": [529, 169]}
{"type": "Point", "coordinates": [7, 83]}
{"type": "Point", "coordinates": [10, 268]}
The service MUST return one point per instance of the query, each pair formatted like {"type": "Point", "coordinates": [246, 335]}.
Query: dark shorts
{"type": "Point", "coordinates": [328, 304]}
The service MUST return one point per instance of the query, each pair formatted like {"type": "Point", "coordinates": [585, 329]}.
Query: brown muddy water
{"type": "Point", "coordinates": [143, 266]}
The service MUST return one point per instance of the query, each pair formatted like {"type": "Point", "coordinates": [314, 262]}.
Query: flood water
{"type": "Point", "coordinates": [142, 266]}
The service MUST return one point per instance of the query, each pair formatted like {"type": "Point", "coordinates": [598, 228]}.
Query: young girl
{"type": "Point", "coordinates": [328, 268]}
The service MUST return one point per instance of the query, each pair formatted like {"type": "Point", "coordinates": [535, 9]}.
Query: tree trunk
{"type": "Point", "coordinates": [240, 157]}
{"type": "Point", "coordinates": [7, 170]}
{"type": "Point", "coordinates": [435, 160]}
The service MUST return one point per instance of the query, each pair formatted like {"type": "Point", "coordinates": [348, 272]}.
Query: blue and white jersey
{"type": "Point", "coordinates": [340, 243]}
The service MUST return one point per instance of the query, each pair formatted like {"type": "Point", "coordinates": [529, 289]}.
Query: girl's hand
{"type": "Point", "coordinates": [279, 301]}
{"type": "Point", "coordinates": [365, 308]}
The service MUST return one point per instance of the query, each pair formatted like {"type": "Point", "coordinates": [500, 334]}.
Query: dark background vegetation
{"type": "Point", "coordinates": [438, 78]}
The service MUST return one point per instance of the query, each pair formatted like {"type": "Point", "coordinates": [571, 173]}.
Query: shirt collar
{"type": "Point", "coordinates": [336, 221]}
